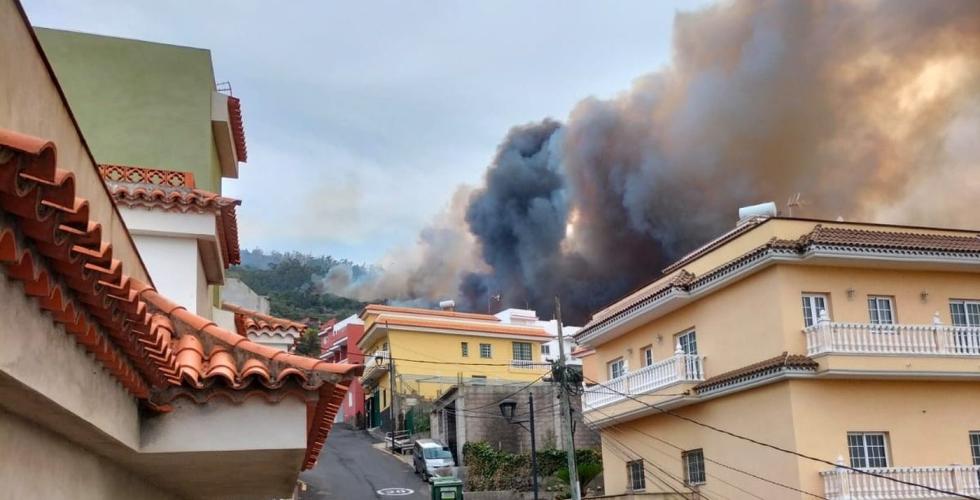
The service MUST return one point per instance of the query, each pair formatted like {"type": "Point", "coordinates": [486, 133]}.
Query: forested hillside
{"type": "Point", "coordinates": [291, 280]}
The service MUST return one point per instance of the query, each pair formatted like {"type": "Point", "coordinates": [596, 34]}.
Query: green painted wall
{"type": "Point", "coordinates": [139, 103]}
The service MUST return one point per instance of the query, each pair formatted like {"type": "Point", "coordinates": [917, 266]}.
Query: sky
{"type": "Point", "coordinates": [362, 118]}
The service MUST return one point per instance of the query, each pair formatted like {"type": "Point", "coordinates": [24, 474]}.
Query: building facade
{"type": "Point", "coordinates": [433, 350]}
{"type": "Point", "coordinates": [108, 387]}
{"type": "Point", "coordinates": [338, 344]}
{"type": "Point", "coordinates": [855, 344]}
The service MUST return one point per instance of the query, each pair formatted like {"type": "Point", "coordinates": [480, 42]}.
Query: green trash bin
{"type": "Point", "coordinates": [447, 488]}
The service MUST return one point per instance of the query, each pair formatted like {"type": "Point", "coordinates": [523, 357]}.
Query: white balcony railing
{"type": "Point", "coordinates": [843, 484]}
{"type": "Point", "coordinates": [679, 368]}
{"type": "Point", "coordinates": [863, 338]}
{"type": "Point", "coordinates": [371, 368]}
{"type": "Point", "coordinates": [522, 365]}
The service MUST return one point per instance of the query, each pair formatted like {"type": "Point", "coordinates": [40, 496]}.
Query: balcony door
{"type": "Point", "coordinates": [966, 317]}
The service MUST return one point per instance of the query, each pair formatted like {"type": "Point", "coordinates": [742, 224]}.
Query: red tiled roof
{"type": "Point", "coordinates": [380, 308]}
{"type": "Point", "coordinates": [237, 128]}
{"type": "Point", "coordinates": [820, 237]}
{"type": "Point", "coordinates": [157, 350]}
{"type": "Point", "coordinates": [141, 187]}
{"type": "Point", "coordinates": [247, 319]}
{"type": "Point", "coordinates": [775, 364]}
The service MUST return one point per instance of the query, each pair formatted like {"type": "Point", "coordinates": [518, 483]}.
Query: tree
{"type": "Point", "coordinates": [309, 344]}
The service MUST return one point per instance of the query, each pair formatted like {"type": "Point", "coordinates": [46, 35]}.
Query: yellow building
{"type": "Point", "coordinates": [856, 344]}
{"type": "Point", "coordinates": [432, 350]}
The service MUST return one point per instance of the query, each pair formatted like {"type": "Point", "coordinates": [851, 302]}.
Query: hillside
{"type": "Point", "coordinates": [291, 280]}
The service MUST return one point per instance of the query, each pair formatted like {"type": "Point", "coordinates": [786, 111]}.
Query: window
{"type": "Point", "coordinates": [975, 446]}
{"type": "Point", "coordinates": [880, 310]}
{"type": "Point", "coordinates": [479, 379]}
{"type": "Point", "coordinates": [522, 351]}
{"type": "Point", "coordinates": [617, 368]}
{"type": "Point", "coordinates": [486, 351]}
{"type": "Point", "coordinates": [465, 348]}
{"type": "Point", "coordinates": [384, 399]}
{"type": "Point", "coordinates": [868, 449]}
{"type": "Point", "coordinates": [813, 303]}
{"type": "Point", "coordinates": [965, 312]}
{"type": "Point", "coordinates": [350, 399]}
{"type": "Point", "coordinates": [688, 342]}
{"type": "Point", "coordinates": [694, 467]}
{"type": "Point", "coordinates": [545, 349]}
{"type": "Point", "coordinates": [634, 475]}
{"type": "Point", "coordinates": [646, 354]}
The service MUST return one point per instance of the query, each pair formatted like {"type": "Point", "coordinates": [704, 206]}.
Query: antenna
{"type": "Point", "coordinates": [795, 201]}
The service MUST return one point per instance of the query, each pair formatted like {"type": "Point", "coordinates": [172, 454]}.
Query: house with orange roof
{"type": "Point", "coordinates": [430, 351]}
{"type": "Point", "coordinates": [117, 379]}
{"type": "Point", "coordinates": [795, 358]}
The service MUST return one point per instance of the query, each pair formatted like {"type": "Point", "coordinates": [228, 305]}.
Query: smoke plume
{"type": "Point", "coordinates": [870, 109]}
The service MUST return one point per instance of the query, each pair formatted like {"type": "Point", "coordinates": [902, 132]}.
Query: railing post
{"type": "Point", "coordinates": [824, 334]}
{"type": "Point", "coordinates": [957, 478]}
{"type": "Point", "coordinates": [679, 361]}
{"type": "Point", "coordinates": [844, 479]}
{"type": "Point", "coordinates": [939, 333]}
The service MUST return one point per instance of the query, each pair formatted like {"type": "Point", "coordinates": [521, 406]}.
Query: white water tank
{"type": "Point", "coordinates": [765, 210]}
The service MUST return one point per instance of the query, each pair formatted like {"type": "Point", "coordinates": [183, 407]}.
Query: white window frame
{"type": "Point", "coordinates": [875, 310]}
{"type": "Point", "coordinates": [486, 351]}
{"type": "Point", "coordinates": [694, 471]}
{"type": "Point", "coordinates": [530, 351]}
{"type": "Point", "coordinates": [611, 368]}
{"type": "Point", "coordinates": [688, 341]}
{"type": "Point", "coordinates": [811, 310]}
{"type": "Point", "coordinates": [860, 441]}
{"type": "Point", "coordinates": [646, 355]}
{"type": "Point", "coordinates": [636, 480]}
{"type": "Point", "coordinates": [545, 349]}
{"type": "Point", "coordinates": [464, 348]}
{"type": "Point", "coordinates": [970, 314]}
{"type": "Point", "coordinates": [975, 447]}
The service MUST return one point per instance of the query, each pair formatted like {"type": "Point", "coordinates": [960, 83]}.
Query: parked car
{"type": "Point", "coordinates": [432, 458]}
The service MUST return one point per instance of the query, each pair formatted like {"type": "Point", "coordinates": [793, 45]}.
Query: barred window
{"type": "Point", "coordinates": [975, 446]}
{"type": "Point", "coordinates": [465, 348]}
{"type": "Point", "coordinates": [634, 475]}
{"type": "Point", "coordinates": [486, 351]}
{"type": "Point", "coordinates": [868, 449]}
{"type": "Point", "coordinates": [694, 467]}
{"type": "Point", "coordinates": [522, 351]}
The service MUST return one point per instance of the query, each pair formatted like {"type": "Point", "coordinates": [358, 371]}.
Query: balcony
{"type": "Point", "coordinates": [843, 484]}
{"type": "Point", "coordinates": [521, 366]}
{"type": "Point", "coordinates": [371, 369]}
{"type": "Point", "coordinates": [861, 338]}
{"type": "Point", "coordinates": [679, 368]}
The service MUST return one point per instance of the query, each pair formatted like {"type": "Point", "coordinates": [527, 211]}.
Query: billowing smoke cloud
{"type": "Point", "coordinates": [871, 110]}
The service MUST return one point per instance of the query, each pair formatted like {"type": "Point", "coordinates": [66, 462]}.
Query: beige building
{"type": "Point", "coordinates": [856, 344]}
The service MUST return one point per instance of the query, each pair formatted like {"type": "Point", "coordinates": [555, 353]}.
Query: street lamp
{"type": "Point", "coordinates": [507, 408]}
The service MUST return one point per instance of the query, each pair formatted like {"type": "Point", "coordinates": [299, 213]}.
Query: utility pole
{"type": "Point", "coordinates": [534, 448]}
{"type": "Point", "coordinates": [566, 414]}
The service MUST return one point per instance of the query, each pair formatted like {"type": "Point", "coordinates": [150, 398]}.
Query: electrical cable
{"type": "Point", "coordinates": [788, 451]}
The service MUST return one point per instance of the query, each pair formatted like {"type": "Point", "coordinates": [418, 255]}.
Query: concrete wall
{"type": "Point", "coordinates": [237, 292]}
{"type": "Point", "coordinates": [30, 104]}
{"type": "Point", "coordinates": [139, 103]}
{"type": "Point", "coordinates": [38, 464]}
{"type": "Point", "coordinates": [175, 266]}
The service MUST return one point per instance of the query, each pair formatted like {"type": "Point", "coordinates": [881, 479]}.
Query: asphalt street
{"type": "Point", "coordinates": [350, 469]}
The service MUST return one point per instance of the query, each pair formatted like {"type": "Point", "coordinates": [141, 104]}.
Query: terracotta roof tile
{"type": "Point", "coordinates": [247, 320]}
{"type": "Point", "coordinates": [380, 308]}
{"type": "Point", "coordinates": [157, 349]}
{"type": "Point", "coordinates": [237, 128]}
{"type": "Point", "coordinates": [784, 361]}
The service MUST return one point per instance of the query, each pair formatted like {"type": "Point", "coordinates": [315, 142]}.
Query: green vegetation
{"type": "Point", "coordinates": [308, 344]}
{"type": "Point", "coordinates": [492, 470]}
{"type": "Point", "coordinates": [294, 284]}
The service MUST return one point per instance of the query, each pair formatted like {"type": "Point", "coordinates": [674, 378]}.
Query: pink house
{"type": "Point", "coordinates": [338, 342]}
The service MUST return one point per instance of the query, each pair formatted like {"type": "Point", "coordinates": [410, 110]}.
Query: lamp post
{"type": "Point", "coordinates": [507, 408]}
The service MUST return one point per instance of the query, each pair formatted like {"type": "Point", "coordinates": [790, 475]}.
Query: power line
{"type": "Point", "coordinates": [708, 459]}
{"type": "Point", "coordinates": [496, 403]}
{"type": "Point", "coordinates": [785, 450]}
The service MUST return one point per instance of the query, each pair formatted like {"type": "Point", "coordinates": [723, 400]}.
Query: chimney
{"type": "Point", "coordinates": [448, 305]}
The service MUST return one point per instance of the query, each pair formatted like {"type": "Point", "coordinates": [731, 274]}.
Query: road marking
{"type": "Point", "coordinates": [395, 492]}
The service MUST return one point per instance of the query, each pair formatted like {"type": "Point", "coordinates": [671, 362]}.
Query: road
{"type": "Point", "coordinates": [350, 469]}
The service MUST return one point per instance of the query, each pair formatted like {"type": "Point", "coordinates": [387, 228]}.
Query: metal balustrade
{"type": "Point", "coordinates": [679, 368]}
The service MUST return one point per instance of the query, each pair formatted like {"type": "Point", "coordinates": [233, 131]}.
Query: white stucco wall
{"type": "Point", "coordinates": [175, 267]}
{"type": "Point", "coordinates": [237, 292]}
{"type": "Point", "coordinates": [223, 426]}
{"type": "Point", "coordinates": [38, 464]}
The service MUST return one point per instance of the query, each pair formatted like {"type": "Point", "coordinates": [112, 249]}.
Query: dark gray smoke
{"type": "Point", "coordinates": [869, 109]}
